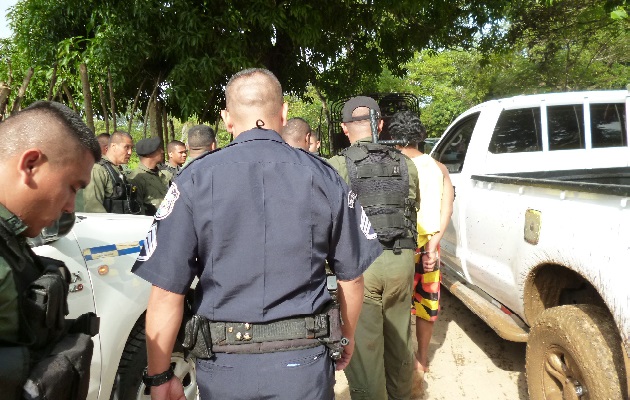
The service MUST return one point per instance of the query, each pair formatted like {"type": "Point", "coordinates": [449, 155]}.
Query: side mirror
{"type": "Point", "coordinates": [57, 230]}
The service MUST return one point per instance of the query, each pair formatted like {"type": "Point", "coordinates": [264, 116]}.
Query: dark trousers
{"type": "Point", "coordinates": [287, 375]}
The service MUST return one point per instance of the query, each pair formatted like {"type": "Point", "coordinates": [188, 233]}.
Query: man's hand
{"type": "Point", "coordinates": [350, 295]}
{"type": "Point", "coordinates": [346, 355]}
{"type": "Point", "coordinates": [429, 261]}
{"type": "Point", "coordinates": [171, 390]}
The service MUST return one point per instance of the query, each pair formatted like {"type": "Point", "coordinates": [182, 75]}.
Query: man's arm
{"type": "Point", "coordinates": [164, 317]}
{"type": "Point", "coordinates": [94, 193]}
{"type": "Point", "coordinates": [446, 210]}
{"type": "Point", "coordinates": [350, 296]}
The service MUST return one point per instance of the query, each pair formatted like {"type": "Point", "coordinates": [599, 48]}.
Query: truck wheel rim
{"type": "Point", "coordinates": [562, 378]}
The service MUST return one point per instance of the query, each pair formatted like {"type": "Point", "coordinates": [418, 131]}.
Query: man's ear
{"type": "Point", "coordinates": [29, 163]}
{"type": "Point", "coordinates": [380, 125]}
{"type": "Point", "coordinates": [229, 126]}
{"type": "Point", "coordinates": [213, 146]}
{"type": "Point", "coordinates": [344, 128]}
{"type": "Point", "coordinates": [285, 111]}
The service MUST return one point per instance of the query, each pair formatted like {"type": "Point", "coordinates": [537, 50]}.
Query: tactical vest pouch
{"type": "Point", "coordinates": [64, 373]}
{"type": "Point", "coordinates": [124, 198]}
{"type": "Point", "coordinates": [335, 340]}
{"type": "Point", "coordinates": [14, 366]}
{"type": "Point", "coordinates": [45, 304]}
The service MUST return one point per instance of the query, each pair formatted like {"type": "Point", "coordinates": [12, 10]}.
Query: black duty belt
{"type": "Point", "coordinates": [203, 337]}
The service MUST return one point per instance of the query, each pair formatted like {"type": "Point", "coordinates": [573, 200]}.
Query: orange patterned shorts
{"type": "Point", "coordinates": [426, 291]}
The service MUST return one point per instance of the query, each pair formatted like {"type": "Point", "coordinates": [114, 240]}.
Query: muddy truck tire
{"type": "Point", "coordinates": [128, 384]}
{"type": "Point", "coordinates": [574, 352]}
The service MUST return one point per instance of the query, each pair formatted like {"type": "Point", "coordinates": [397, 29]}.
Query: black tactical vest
{"type": "Point", "coordinates": [380, 178]}
{"type": "Point", "coordinates": [52, 356]}
{"type": "Point", "coordinates": [124, 194]}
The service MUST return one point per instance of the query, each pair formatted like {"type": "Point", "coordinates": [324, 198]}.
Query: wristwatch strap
{"type": "Point", "coordinates": [159, 379]}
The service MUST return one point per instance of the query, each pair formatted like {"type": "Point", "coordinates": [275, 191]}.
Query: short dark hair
{"type": "Point", "coordinates": [70, 120]}
{"type": "Point", "coordinates": [296, 127]}
{"type": "Point", "coordinates": [406, 126]}
{"type": "Point", "coordinates": [117, 136]}
{"type": "Point", "coordinates": [172, 144]}
{"type": "Point", "coordinates": [200, 136]}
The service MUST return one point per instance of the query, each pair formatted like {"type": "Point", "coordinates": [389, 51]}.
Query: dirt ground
{"type": "Point", "coordinates": [467, 360]}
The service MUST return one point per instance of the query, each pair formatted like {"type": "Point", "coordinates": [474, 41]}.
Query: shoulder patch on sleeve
{"type": "Point", "coordinates": [150, 244]}
{"type": "Point", "coordinates": [366, 226]}
{"type": "Point", "coordinates": [352, 197]}
{"type": "Point", "coordinates": [166, 207]}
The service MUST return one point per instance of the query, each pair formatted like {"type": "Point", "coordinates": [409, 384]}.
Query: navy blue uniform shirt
{"type": "Point", "coordinates": [256, 221]}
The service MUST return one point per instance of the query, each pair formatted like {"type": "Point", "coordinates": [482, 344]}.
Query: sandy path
{"type": "Point", "coordinates": [468, 360]}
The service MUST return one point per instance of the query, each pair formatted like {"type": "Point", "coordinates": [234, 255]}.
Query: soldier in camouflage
{"type": "Point", "coordinates": [151, 182]}
{"type": "Point", "coordinates": [109, 189]}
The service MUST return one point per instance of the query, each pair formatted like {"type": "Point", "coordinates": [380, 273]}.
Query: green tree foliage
{"type": "Point", "coordinates": [189, 47]}
{"type": "Point", "coordinates": [553, 46]}
{"type": "Point", "coordinates": [568, 45]}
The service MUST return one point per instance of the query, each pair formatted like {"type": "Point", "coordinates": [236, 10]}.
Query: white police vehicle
{"type": "Point", "coordinates": [100, 250]}
{"type": "Point", "coordinates": [537, 245]}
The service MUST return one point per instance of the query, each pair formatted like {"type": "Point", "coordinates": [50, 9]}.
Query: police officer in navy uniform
{"type": "Point", "coordinates": [255, 221]}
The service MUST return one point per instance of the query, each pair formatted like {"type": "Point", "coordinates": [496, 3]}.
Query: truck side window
{"type": "Point", "coordinates": [566, 127]}
{"type": "Point", "coordinates": [517, 131]}
{"type": "Point", "coordinates": [452, 151]}
{"type": "Point", "coordinates": [608, 125]}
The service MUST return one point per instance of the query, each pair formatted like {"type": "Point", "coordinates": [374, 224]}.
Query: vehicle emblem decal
{"type": "Point", "coordinates": [166, 207]}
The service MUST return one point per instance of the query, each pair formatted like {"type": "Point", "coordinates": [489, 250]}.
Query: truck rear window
{"type": "Point", "coordinates": [608, 125]}
{"type": "Point", "coordinates": [517, 131]}
{"type": "Point", "coordinates": [566, 127]}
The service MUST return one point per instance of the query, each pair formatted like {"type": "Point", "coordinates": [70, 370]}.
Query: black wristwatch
{"type": "Point", "coordinates": [159, 379]}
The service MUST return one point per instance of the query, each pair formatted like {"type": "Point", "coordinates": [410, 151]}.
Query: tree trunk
{"type": "Point", "coordinates": [146, 118]}
{"type": "Point", "coordinates": [104, 107]}
{"type": "Point", "coordinates": [325, 138]}
{"type": "Point", "coordinates": [171, 129]}
{"type": "Point", "coordinates": [210, 105]}
{"type": "Point", "coordinates": [155, 119]}
{"type": "Point", "coordinates": [87, 96]}
{"type": "Point", "coordinates": [58, 96]}
{"type": "Point", "coordinates": [68, 93]}
{"type": "Point", "coordinates": [165, 126]}
{"type": "Point", "coordinates": [17, 103]}
{"type": "Point", "coordinates": [111, 97]}
{"type": "Point", "coordinates": [135, 105]}
{"type": "Point", "coordinates": [5, 91]}
{"type": "Point", "coordinates": [53, 81]}
{"type": "Point", "coordinates": [152, 98]}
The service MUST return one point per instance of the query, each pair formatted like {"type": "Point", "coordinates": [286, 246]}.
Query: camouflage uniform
{"type": "Point", "coordinates": [152, 187]}
{"type": "Point", "coordinates": [100, 188]}
{"type": "Point", "coordinates": [169, 171]}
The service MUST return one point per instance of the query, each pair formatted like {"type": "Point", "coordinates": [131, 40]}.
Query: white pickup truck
{"type": "Point", "coordinates": [99, 251]}
{"type": "Point", "coordinates": [539, 241]}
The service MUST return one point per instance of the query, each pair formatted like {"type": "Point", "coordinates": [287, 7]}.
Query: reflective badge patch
{"type": "Point", "coordinates": [150, 244]}
{"type": "Point", "coordinates": [352, 197]}
{"type": "Point", "coordinates": [166, 207]}
{"type": "Point", "coordinates": [366, 226]}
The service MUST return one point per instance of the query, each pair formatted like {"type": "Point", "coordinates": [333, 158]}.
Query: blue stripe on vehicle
{"type": "Point", "coordinates": [112, 250]}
